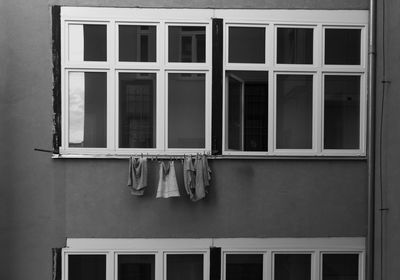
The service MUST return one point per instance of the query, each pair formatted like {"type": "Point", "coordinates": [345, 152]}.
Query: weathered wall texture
{"type": "Point", "coordinates": [43, 201]}
{"type": "Point", "coordinates": [388, 51]}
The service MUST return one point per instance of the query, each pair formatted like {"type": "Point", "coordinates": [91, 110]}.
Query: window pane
{"type": "Point", "coordinates": [247, 110]}
{"type": "Point", "coordinates": [295, 45]}
{"type": "Point", "coordinates": [186, 110]}
{"type": "Point", "coordinates": [244, 267]}
{"type": "Point", "coordinates": [342, 112]}
{"type": "Point", "coordinates": [185, 267]}
{"type": "Point", "coordinates": [137, 43]}
{"type": "Point", "coordinates": [342, 46]}
{"type": "Point", "coordinates": [340, 267]}
{"type": "Point", "coordinates": [136, 267]}
{"type": "Point", "coordinates": [294, 111]}
{"type": "Point", "coordinates": [86, 267]}
{"type": "Point", "coordinates": [292, 267]}
{"type": "Point", "coordinates": [87, 42]}
{"type": "Point", "coordinates": [186, 44]}
{"type": "Point", "coordinates": [137, 110]}
{"type": "Point", "coordinates": [247, 44]}
{"type": "Point", "coordinates": [87, 109]}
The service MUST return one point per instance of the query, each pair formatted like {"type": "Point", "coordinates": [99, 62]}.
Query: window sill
{"type": "Point", "coordinates": [216, 157]}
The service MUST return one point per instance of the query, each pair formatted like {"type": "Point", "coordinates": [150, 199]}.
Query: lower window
{"type": "Point", "coordinates": [237, 259]}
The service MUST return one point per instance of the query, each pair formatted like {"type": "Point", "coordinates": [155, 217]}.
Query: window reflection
{"type": "Point", "coordinates": [136, 267]}
{"type": "Point", "coordinates": [137, 110]}
{"type": "Point", "coordinates": [137, 43]}
{"type": "Point", "coordinates": [244, 267]}
{"type": "Point", "coordinates": [186, 44]}
{"type": "Point", "coordinates": [185, 267]}
{"type": "Point", "coordinates": [295, 45]}
{"type": "Point", "coordinates": [343, 46]}
{"type": "Point", "coordinates": [87, 109]}
{"type": "Point", "coordinates": [186, 110]}
{"type": "Point", "coordinates": [246, 45]}
{"type": "Point", "coordinates": [87, 42]}
{"type": "Point", "coordinates": [292, 267]}
{"type": "Point", "coordinates": [87, 267]}
{"type": "Point", "coordinates": [294, 111]}
{"type": "Point", "coordinates": [342, 112]}
{"type": "Point", "coordinates": [340, 267]}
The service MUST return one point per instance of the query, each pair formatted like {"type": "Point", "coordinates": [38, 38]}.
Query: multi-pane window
{"type": "Point", "coordinates": [198, 258]}
{"type": "Point", "coordinates": [136, 81]}
{"type": "Point", "coordinates": [139, 81]}
{"type": "Point", "coordinates": [294, 89]}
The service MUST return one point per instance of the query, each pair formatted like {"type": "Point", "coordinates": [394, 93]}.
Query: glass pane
{"type": "Point", "coordinates": [185, 267]}
{"type": "Point", "coordinates": [186, 110]}
{"type": "Point", "coordinates": [342, 112]}
{"type": "Point", "coordinates": [87, 109]}
{"type": "Point", "coordinates": [247, 44]}
{"type": "Point", "coordinates": [294, 111]}
{"type": "Point", "coordinates": [340, 267]}
{"type": "Point", "coordinates": [247, 110]}
{"type": "Point", "coordinates": [244, 267]}
{"type": "Point", "coordinates": [292, 267]}
{"type": "Point", "coordinates": [137, 43]}
{"type": "Point", "coordinates": [88, 42]}
{"type": "Point", "coordinates": [295, 45]}
{"type": "Point", "coordinates": [137, 110]}
{"type": "Point", "coordinates": [86, 267]}
{"type": "Point", "coordinates": [343, 46]}
{"type": "Point", "coordinates": [186, 44]}
{"type": "Point", "coordinates": [136, 267]}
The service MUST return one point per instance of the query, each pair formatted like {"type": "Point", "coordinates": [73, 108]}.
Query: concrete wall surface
{"type": "Point", "coordinates": [43, 201]}
{"type": "Point", "coordinates": [388, 172]}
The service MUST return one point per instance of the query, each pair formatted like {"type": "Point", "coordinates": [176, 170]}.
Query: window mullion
{"type": "Point", "coordinates": [112, 89]}
{"type": "Point", "coordinates": [161, 88]}
{"type": "Point", "coordinates": [267, 264]}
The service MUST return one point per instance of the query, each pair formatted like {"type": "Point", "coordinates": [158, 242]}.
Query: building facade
{"type": "Point", "coordinates": [289, 187]}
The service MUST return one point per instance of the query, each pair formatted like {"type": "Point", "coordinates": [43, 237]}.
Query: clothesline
{"type": "Point", "coordinates": [170, 157]}
{"type": "Point", "coordinates": [196, 175]}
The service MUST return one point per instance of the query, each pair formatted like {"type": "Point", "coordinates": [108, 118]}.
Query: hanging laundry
{"type": "Point", "coordinates": [167, 183]}
{"type": "Point", "coordinates": [203, 177]}
{"type": "Point", "coordinates": [189, 176]}
{"type": "Point", "coordinates": [137, 180]}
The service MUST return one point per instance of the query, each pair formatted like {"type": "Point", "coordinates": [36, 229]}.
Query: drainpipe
{"type": "Point", "coordinates": [371, 140]}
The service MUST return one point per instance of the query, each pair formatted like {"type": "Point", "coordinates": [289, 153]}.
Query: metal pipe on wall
{"type": "Point", "coordinates": [371, 140]}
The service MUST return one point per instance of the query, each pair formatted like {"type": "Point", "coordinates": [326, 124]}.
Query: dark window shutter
{"type": "Point", "coordinates": [215, 263]}
{"type": "Point", "coordinates": [56, 47]}
{"type": "Point", "coordinates": [217, 52]}
{"type": "Point", "coordinates": [56, 275]}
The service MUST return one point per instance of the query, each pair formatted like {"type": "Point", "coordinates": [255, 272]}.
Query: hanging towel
{"type": "Point", "coordinates": [137, 180]}
{"type": "Point", "coordinates": [167, 184]}
{"type": "Point", "coordinates": [203, 177]}
{"type": "Point", "coordinates": [189, 176]}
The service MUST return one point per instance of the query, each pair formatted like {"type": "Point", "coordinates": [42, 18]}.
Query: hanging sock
{"type": "Point", "coordinates": [167, 183]}
{"type": "Point", "coordinates": [189, 176]}
{"type": "Point", "coordinates": [137, 180]}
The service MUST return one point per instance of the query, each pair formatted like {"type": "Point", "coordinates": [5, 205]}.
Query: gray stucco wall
{"type": "Point", "coordinates": [264, 198]}
{"type": "Point", "coordinates": [388, 41]}
{"type": "Point", "coordinates": [43, 201]}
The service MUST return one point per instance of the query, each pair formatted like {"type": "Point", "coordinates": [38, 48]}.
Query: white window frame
{"type": "Point", "coordinates": [161, 247]}
{"type": "Point", "coordinates": [317, 20]}
{"type": "Point", "coordinates": [113, 18]}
